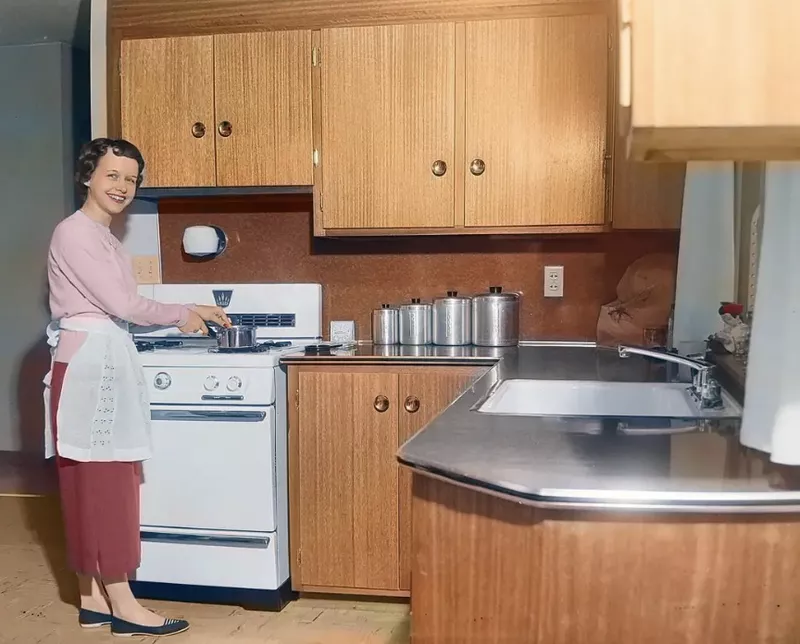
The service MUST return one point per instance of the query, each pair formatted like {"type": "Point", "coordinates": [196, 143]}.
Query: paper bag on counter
{"type": "Point", "coordinates": [644, 298]}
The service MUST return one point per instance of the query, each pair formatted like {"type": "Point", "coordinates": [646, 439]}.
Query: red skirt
{"type": "Point", "coordinates": [100, 506]}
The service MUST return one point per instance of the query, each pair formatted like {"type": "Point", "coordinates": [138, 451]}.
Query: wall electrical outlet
{"type": "Point", "coordinates": [146, 269]}
{"type": "Point", "coordinates": [554, 281]}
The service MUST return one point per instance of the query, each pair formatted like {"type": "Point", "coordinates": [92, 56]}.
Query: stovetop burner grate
{"type": "Point", "coordinates": [148, 345]}
{"type": "Point", "coordinates": [259, 348]}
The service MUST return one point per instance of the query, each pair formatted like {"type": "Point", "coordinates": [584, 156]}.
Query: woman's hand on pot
{"type": "Point", "coordinates": [195, 324]}
{"type": "Point", "coordinates": [213, 314]}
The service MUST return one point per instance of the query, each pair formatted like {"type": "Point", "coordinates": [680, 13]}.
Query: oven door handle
{"type": "Point", "coordinates": [206, 415]}
{"type": "Point", "coordinates": [205, 540]}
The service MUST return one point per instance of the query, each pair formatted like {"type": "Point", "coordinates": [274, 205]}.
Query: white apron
{"type": "Point", "coordinates": [104, 408]}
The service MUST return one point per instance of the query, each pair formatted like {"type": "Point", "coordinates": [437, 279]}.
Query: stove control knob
{"type": "Point", "coordinates": [162, 381]}
{"type": "Point", "coordinates": [211, 383]}
{"type": "Point", "coordinates": [234, 383]}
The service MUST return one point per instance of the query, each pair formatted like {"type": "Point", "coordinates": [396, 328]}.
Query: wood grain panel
{"type": "Point", "coordinates": [711, 83]}
{"type": "Point", "coordinates": [536, 113]}
{"type": "Point", "coordinates": [167, 85]}
{"type": "Point", "coordinates": [263, 88]}
{"type": "Point", "coordinates": [647, 195]}
{"type": "Point", "coordinates": [435, 388]}
{"type": "Point", "coordinates": [144, 18]}
{"type": "Point", "coordinates": [387, 103]}
{"type": "Point", "coordinates": [375, 549]}
{"type": "Point", "coordinates": [325, 512]}
{"type": "Point", "coordinates": [488, 570]}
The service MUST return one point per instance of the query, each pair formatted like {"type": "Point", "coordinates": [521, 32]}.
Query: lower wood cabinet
{"type": "Point", "coordinates": [349, 500]}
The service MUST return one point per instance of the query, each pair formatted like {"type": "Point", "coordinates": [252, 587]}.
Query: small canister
{"type": "Point", "coordinates": [385, 325]}
{"type": "Point", "coordinates": [415, 323]}
{"type": "Point", "coordinates": [452, 320]}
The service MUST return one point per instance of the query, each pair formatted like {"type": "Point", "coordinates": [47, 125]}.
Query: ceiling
{"type": "Point", "coordinates": [24, 22]}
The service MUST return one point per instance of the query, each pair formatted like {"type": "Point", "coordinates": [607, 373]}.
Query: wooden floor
{"type": "Point", "coordinates": [37, 599]}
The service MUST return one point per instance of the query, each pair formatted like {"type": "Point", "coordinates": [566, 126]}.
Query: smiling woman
{"type": "Point", "coordinates": [97, 421]}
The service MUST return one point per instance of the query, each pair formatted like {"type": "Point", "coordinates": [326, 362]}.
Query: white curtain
{"type": "Point", "coordinates": [706, 257]}
{"type": "Point", "coordinates": [771, 421]}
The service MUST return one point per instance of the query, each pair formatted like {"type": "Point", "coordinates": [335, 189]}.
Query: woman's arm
{"type": "Point", "coordinates": [93, 269]}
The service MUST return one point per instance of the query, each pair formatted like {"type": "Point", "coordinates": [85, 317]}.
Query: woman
{"type": "Point", "coordinates": [98, 413]}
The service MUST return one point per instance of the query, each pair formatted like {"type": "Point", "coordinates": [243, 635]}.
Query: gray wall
{"type": "Point", "coordinates": [36, 192]}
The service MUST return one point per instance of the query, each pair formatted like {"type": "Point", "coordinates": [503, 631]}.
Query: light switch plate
{"type": "Point", "coordinates": [343, 331]}
{"type": "Point", "coordinates": [146, 269]}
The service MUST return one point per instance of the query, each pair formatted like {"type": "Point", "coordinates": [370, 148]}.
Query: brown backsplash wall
{"type": "Point", "coordinates": [271, 241]}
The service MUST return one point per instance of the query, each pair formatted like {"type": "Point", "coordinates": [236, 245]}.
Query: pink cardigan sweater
{"type": "Point", "coordinates": [91, 275]}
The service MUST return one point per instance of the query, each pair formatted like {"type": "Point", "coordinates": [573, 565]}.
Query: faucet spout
{"type": "Point", "coordinates": [705, 389]}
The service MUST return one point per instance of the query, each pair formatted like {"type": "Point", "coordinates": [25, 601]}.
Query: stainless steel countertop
{"type": "Point", "coordinates": [585, 463]}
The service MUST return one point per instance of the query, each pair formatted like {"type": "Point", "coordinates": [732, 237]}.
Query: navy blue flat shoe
{"type": "Point", "coordinates": [92, 619]}
{"type": "Point", "coordinates": [121, 628]}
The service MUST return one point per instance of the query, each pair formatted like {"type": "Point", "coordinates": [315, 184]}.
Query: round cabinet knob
{"type": "Point", "coordinates": [411, 404]}
{"type": "Point", "coordinates": [211, 383]}
{"type": "Point", "coordinates": [198, 130]}
{"type": "Point", "coordinates": [162, 381]}
{"type": "Point", "coordinates": [439, 168]}
{"type": "Point", "coordinates": [225, 128]}
{"type": "Point", "coordinates": [234, 383]}
{"type": "Point", "coordinates": [381, 403]}
{"type": "Point", "coordinates": [477, 167]}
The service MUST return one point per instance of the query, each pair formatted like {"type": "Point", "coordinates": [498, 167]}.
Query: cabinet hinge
{"type": "Point", "coordinates": [299, 556]}
{"type": "Point", "coordinates": [316, 57]}
{"type": "Point", "coordinates": [297, 399]}
{"type": "Point", "coordinates": [606, 161]}
{"type": "Point", "coordinates": [315, 158]}
{"type": "Point", "coordinates": [610, 42]}
{"type": "Point", "coordinates": [119, 66]}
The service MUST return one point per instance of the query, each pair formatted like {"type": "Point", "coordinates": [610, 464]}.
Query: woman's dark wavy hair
{"type": "Point", "coordinates": [92, 152]}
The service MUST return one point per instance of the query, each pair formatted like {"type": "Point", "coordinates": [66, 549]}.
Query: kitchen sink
{"type": "Point", "coordinates": [518, 397]}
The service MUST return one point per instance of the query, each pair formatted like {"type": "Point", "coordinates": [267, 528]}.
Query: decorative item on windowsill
{"type": "Point", "coordinates": [204, 242]}
{"type": "Point", "coordinates": [734, 337]}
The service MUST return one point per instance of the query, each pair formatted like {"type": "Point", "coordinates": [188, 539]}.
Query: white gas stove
{"type": "Point", "coordinates": [214, 504]}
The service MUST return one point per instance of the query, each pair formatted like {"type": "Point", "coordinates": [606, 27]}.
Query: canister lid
{"type": "Point", "coordinates": [452, 296]}
{"type": "Point", "coordinates": [496, 293]}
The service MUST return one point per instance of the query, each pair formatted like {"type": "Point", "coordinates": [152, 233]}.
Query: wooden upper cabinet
{"type": "Point", "coordinates": [387, 105]}
{"type": "Point", "coordinates": [710, 80]}
{"type": "Point", "coordinates": [167, 108]}
{"type": "Point", "coordinates": [536, 116]}
{"type": "Point", "coordinates": [263, 90]}
{"type": "Point", "coordinates": [224, 110]}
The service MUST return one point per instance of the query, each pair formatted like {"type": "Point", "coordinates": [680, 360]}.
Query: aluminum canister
{"type": "Point", "coordinates": [452, 320]}
{"type": "Point", "coordinates": [415, 323]}
{"type": "Point", "coordinates": [495, 318]}
{"type": "Point", "coordinates": [385, 325]}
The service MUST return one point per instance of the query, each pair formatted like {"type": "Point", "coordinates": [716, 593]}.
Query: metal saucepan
{"type": "Point", "coordinates": [238, 336]}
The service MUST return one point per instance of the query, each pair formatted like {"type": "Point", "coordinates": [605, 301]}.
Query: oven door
{"type": "Point", "coordinates": [213, 468]}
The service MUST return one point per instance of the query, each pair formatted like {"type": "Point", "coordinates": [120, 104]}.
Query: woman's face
{"type": "Point", "coordinates": [113, 184]}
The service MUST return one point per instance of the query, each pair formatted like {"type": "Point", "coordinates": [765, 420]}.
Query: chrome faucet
{"type": "Point", "coordinates": [705, 389]}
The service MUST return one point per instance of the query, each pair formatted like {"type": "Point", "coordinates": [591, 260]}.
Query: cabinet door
{"type": "Point", "coordinates": [422, 396]}
{"type": "Point", "coordinates": [263, 90]}
{"type": "Point", "coordinates": [167, 108]}
{"type": "Point", "coordinates": [536, 120]}
{"type": "Point", "coordinates": [646, 195]}
{"type": "Point", "coordinates": [347, 481]}
{"type": "Point", "coordinates": [388, 114]}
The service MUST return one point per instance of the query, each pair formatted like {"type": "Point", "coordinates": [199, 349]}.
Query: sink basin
{"type": "Point", "coordinates": [592, 398]}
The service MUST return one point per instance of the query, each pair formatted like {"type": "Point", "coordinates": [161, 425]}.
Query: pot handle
{"type": "Point", "coordinates": [212, 329]}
